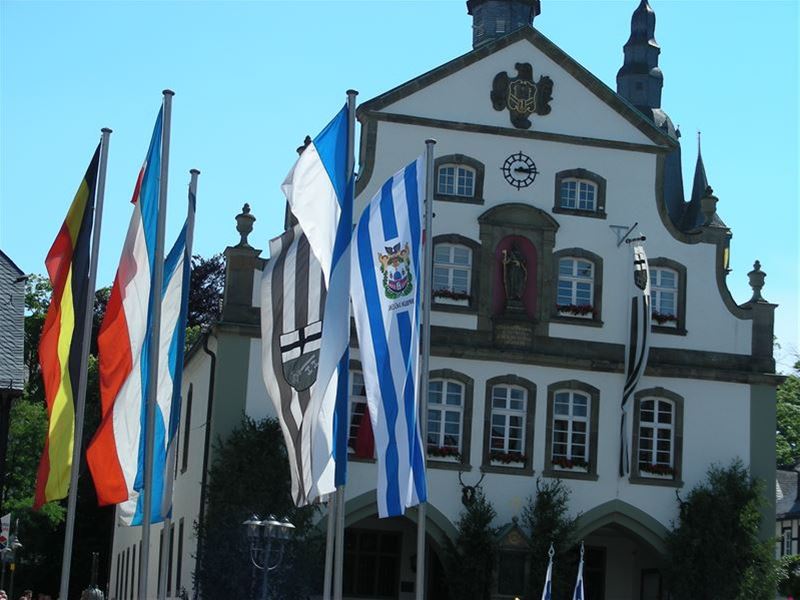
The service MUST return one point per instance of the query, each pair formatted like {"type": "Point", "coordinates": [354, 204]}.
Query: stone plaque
{"type": "Point", "coordinates": [516, 335]}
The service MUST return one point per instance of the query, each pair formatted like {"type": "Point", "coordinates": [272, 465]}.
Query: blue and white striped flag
{"type": "Point", "coordinates": [320, 193]}
{"type": "Point", "coordinates": [547, 592]}
{"type": "Point", "coordinates": [579, 593]}
{"type": "Point", "coordinates": [387, 281]}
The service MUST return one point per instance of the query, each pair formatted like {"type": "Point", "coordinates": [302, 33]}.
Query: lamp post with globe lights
{"type": "Point", "coordinates": [267, 539]}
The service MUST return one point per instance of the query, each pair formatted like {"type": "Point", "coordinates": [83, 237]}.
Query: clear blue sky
{"type": "Point", "coordinates": [253, 78]}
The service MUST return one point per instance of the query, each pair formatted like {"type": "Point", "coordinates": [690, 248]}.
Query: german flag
{"type": "Point", "coordinates": [60, 345]}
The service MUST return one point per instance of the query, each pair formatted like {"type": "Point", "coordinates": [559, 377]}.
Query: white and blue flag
{"type": "Point", "coordinates": [547, 592]}
{"type": "Point", "coordinates": [579, 593]}
{"type": "Point", "coordinates": [387, 281]}
{"type": "Point", "coordinates": [320, 194]}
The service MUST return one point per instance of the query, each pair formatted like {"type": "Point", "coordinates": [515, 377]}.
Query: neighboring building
{"type": "Point", "coordinates": [787, 512]}
{"type": "Point", "coordinates": [12, 338]}
{"type": "Point", "coordinates": [528, 383]}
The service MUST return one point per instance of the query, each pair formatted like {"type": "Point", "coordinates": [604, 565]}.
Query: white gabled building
{"type": "Point", "coordinates": [527, 367]}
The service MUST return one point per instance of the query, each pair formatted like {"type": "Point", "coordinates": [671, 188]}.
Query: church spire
{"type": "Point", "coordinates": [640, 80]}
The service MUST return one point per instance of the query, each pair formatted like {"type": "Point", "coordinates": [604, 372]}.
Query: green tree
{"type": "Point", "coordinates": [787, 439]}
{"type": "Point", "coordinates": [239, 486]}
{"type": "Point", "coordinates": [546, 519]}
{"type": "Point", "coordinates": [469, 560]}
{"type": "Point", "coordinates": [715, 550]}
{"type": "Point", "coordinates": [205, 292]}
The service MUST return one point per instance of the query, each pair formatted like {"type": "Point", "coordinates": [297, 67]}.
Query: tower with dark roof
{"type": "Point", "coordinates": [640, 80]}
{"type": "Point", "coordinates": [492, 19]}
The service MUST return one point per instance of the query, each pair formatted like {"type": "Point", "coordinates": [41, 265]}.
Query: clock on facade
{"type": "Point", "coordinates": [519, 170]}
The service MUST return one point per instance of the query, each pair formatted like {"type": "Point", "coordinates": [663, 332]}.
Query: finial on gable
{"type": "Point", "coordinates": [756, 277]}
{"type": "Point", "coordinates": [244, 225]}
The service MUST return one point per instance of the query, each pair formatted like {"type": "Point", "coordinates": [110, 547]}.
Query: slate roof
{"type": "Point", "coordinates": [787, 504]}
{"type": "Point", "coordinates": [12, 315]}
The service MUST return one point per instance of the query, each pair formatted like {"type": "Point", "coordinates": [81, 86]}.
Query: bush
{"type": "Point", "coordinates": [715, 551]}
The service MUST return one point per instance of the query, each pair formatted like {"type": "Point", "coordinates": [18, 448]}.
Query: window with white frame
{"type": "Point", "coordinates": [358, 408]}
{"type": "Point", "coordinates": [571, 412]}
{"type": "Point", "coordinates": [664, 296]}
{"type": "Point", "coordinates": [656, 437]}
{"type": "Point", "coordinates": [507, 436]}
{"type": "Point", "coordinates": [578, 194]}
{"type": "Point", "coordinates": [456, 180]}
{"type": "Point", "coordinates": [445, 418]}
{"type": "Point", "coordinates": [786, 542]}
{"type": "Point", "coordinates": [575, 293]}
{"type": "Point", "coordinates": [452, 271]}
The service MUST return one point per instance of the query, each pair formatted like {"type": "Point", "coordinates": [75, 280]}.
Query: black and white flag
{"type": "Point", "coordinates": [292, 306]}
{"type": "Point", "coordinates": [637, 347]}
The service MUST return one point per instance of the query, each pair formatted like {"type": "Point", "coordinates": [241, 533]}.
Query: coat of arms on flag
{"type": "Point", "coordinates": [395, 266]}
{"type": "Point", "coordinates": [300, 355]}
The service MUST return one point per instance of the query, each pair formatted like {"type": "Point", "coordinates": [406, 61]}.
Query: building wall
{"type": "Point", "coordinates": [12, 310]}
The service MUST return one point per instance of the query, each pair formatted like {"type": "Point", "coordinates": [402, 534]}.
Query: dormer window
{"type": "Point", "coordinates": [580, 192]}
{"type": "Point", "coordinates": [500, 26]}
{"type": "Point", "coordinates": [456, 180]}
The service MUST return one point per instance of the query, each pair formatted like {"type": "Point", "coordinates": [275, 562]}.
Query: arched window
{"type": "Point", "coordinates": [657, 437]}
{"type": "Point", "coordinates": [580, 192]}
{"type": "Point", "coordinates": [452, 273]}
{"type": "Point", "coordinates": [445, 418]}
{"type": "Point", "coordinates": [456, 180]}
{"type": "Point", "coordinates": [578, 293]}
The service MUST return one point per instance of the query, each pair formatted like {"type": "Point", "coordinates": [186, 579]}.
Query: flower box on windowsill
{"type": "Point", "coordinates": [444, 454]}
{"type": "Point", "coordinates": [450, 297]}
{"type": "Point", "coordinates": [580, 311]}
{"type": "Point", "coordinates": [573, 466]}
{"type": "Point", "coordinates": [664, 320]}
{"type": "Point", "coordinates": [656, 471]}
{"type": "Point", "coordinates": [515, 460]}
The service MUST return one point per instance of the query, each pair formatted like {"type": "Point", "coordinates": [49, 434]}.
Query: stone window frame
{"type": "Point", "coordinates": [573, 385]}
{"type": "Point", "coordinates": [636, 477]}
{"type": "Point", "coordinates": [466, 426]}
{"type": "Point", "coordinates": [475, 278]}
{"type": "Point", "coordinates": [530, 420]}
{"type": "Point", "coordinates": [586, 175]}
{"type": "Point", "coordinates": [460, 160]}
{"type": "Point", "coordinates": [680, 269]}
{"type": "Point", "coordinates": [597, 288]}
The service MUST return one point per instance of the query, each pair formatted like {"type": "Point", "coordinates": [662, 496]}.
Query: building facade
{"type": "Point", "coordinates": [541, 169]}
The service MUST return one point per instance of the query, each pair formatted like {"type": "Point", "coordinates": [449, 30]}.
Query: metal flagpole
{"type": "Point", "coordinates": [166, 555]}
{"type": "Point", "coordinates": [153, 358]}
{"type": "Point", "coordinates": [419, 588]}
{"type": "Point", "coordinates": [338, 567]}
{"type": "Point", "coordinates": [326, 591]}
{"type": "Point", "coordinates": [80, 407]}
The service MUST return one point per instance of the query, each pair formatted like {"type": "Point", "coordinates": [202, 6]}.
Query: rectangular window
{"type": "Point", "coordinates": [169, 558]}
{"type": "Point", "coordinates": [127, 572]}
{"type": "Point", "coordinates": [509, 405]}
{"type": "Point", "coordinates": [578, 194]}
{"type": "Point", "coordinates": [371, 563]}
{"type": "Point", "coordinates": [456, 180]}
{"type": "Point", "coordinates": [186, 429]}
{"type": "Point", "coordinates": [656, 437]}
{"type": "Point", "coordinates": [160, 551]}
{"type": "Point", "coordinates": [575, 286]}
{"type": "Point", "coordinates": [445, 418]}
{"type": "Point", "coordinates": [664, 296]}
{"type": "Point", "coordinates": [570, 429]}
{"type": "Point", "coordinates": [452, 268]}
{"type": "Point", "coordinates": [179, 560]}
{"type": "Point", "coordinates": [786, 546]}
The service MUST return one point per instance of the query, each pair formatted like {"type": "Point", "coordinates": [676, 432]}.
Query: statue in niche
{"type": "Point", "coordinates": [515, 276]}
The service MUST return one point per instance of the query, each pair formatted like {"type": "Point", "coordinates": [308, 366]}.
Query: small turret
{"type": "Point", "coordinates": [493, 19]}
{"type": "Point", "coordinates": [640, 80]}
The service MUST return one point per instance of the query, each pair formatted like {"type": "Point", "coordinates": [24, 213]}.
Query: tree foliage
{"type": "Point", "coordinates": [239, 486]}
{"type": "Point", "coordinates": [205, 292]}
{"type": "Point", "coordinates": [546, 519]}
{"type": "Point", "coordinates": [787, 441]}
{"type": "Point", "coordinates": [715, 550]}
{"type": "Point", "coordinates": [468, 562]}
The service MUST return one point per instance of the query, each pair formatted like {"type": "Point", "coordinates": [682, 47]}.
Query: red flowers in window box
{"type": "Point", "coordinates": [580, 310]}
{"type": "Point", "coordinates": [656, 469]}
{"type": "Point", "coordinates": [444, 452]}
{"type": "Point", "coordinates": [507, 457]}
{"type": "Point", "coordinates": [450, 294]}
{"type": "Point", "coordinates": [566, 463]}
{"type": "Point", "coordinates": [662, 318]}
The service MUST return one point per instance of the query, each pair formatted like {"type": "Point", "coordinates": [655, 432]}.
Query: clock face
{"type": "Point", "coordinates": [519, 170]}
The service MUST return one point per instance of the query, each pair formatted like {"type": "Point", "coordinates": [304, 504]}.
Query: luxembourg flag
{"type": "Point", "coordinates": [320, 194]}
{"type": "Point", "coordinates": [387, 281]}
{"type": "Point", "coordinates": [116, 453]}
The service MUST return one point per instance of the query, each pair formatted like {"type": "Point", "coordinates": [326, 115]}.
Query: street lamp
{"type": "Point", "coordinates": [267, 539]}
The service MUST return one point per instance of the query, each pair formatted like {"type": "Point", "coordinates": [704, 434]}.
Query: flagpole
{"type": "Point", "coordinates": [329, 541]}
{"type": "Point", "coordinates": [80, 408]}
{"type": "Point", "coordinates": [153, 358]}
{"type": "Point", "coordinates": [166, 555]}
{"type": "Point", "coordinates": [338, 568]}
{"type": "Point", "coordinates": [419, 587]}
